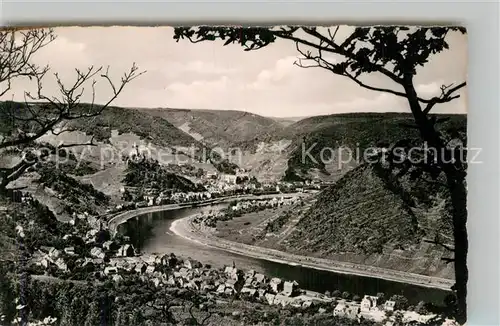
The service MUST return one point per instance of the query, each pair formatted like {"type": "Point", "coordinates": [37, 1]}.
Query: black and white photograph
{"type": "Point", "coordinates": [234, 175]}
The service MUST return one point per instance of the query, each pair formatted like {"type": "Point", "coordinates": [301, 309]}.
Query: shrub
{"type": "Point", "coordinates": [401, 302]}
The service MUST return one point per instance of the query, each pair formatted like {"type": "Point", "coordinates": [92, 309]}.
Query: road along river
{"type": "Point", "coordinates": [167, 229]}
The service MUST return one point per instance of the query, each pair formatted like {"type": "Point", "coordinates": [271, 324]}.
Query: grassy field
{"type": "Point", "coordinates": [268, 228]}
{"type": "Point", "coordinates": [247, 228]}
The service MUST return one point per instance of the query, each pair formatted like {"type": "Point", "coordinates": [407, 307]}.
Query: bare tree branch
{"type": "Point", "coordinates": [446, 96]}
{"type": "Point", "coordinates": [335, 68]}
{"type": "Point", "coordinates": [43, 113]}
{"type": "Point", "coordinates": [16, 51]}
{"type": "Point", "coordinates": [332, 37]}
{"type": "Point", "coordinates": [340, 49]}
{"type": "Point", "coordinates": [385, 90]}
{"type": "Point", "coordinates": [69, 107]}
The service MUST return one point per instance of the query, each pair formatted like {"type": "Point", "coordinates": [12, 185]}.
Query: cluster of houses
{"type": "Point", "coordinates": [227, 183]}
{"type": "Point", "coordinates": [210, 218]}
{"type": "Point", "coordinates": [113, 260]}
{"type": "Point", "coordinates": [369, 308]}
{"type": "Point", "coordinates": [152, 197]}
{"type": "Point", "coordinates": [215, 182]}
{"type": "Point", "coordinates": [92, 251]}
{"type": "Point", "coordinates": [110, 259]}
{"type": "Point", "coordinates": [178, 197]}
{"type": "Point", "coordinates": [216, 185]}
{"type": "Point", "coordinates": [213, 190]}
{"type": "Point", "coordinates": [273, 202]}
{"type": "Point", "coordinates": [230, 179]}
{"type": "Point", "coordinates": [48, 257]}
{"type": "Point", "coordinates": [171, 271]}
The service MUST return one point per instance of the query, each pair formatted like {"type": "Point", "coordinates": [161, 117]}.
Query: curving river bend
{"type": "Point", "coordinates": [150, 233]}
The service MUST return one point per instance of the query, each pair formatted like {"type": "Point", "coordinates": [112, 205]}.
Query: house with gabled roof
{"type": "Point", "coordinates": [368, 303]}
{"type": "Point", "coordinates": [389, 305]}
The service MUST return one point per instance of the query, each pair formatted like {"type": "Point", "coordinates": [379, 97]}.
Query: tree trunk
{"type": "Point", "coordinates": [458, 193]}
{"type": "Point", "coordinates": [455, 175]}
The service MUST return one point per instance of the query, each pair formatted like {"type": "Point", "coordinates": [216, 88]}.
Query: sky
{"type": "Point", "coordinates": [208, 75]}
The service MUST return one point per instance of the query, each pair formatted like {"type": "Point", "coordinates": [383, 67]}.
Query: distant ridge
{"type": "Point", "coordinates": [224, 128]}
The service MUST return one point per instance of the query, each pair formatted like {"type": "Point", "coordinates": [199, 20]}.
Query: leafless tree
{"type": "Point", "coordinates": [44, 113]}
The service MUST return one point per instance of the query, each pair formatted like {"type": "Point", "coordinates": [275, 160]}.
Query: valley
{"type": "Point", "coordinates": [354, 217]}
{"type": "Point", "coordinates": [346, 221]}
{"type": "Point", "coordinates": [146, 181]}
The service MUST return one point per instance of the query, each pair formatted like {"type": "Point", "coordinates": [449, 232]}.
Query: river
{"type": "Point", "coordinates": [150, 234]}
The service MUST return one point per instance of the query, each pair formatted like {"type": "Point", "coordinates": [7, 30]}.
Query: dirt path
{"type": "Point", "coordinates": [289, 229]}
{"type": "Point", "coordinates": [291, 225]}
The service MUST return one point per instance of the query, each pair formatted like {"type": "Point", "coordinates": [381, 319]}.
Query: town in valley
{"type": "Point", "coordinates": [234, 187]}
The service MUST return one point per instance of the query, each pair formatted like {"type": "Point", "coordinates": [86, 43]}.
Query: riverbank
{"type": "Point", "coordinates": [185, 228]}
{"type": "Point", "coordinates": [120, 218]}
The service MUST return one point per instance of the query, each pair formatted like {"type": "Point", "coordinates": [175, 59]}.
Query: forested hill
{"type": "Point", "coordinates": [373, 217]}
{"type": "Point", "coordinates": [224, 128]}
{"type": "Point", "coordinates": [356, 131]}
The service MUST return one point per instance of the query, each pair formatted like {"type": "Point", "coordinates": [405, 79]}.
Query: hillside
{"type": "Point", "coordinates": [150, 174]}
{"type": "Point", "coordinates": [346, 136]}
{"type": "Point", "coordinates": [116, 134]}
{"type": "Point", "coordinates": [62, 194]}
{"type": "Point", "coordinates": [112, 122]}
{"type": "Point", "coordinates": [37, 221]}
{"type": "Point", "coordinates": [219, 127]}
{"type": "Point", "coordinates": [370, 217]}
{"type": "Point", "coordinates": [269, 148]}
{"type": "Point", "coordinates": [274, 148]}
{"type": "Point", "coordinates": [156, 130]}
{"type": "Point", "coordinates": [76, 196]}
{"type": "Point", "coordinates": [56, 181]}
{"type": "Point", "coordinates": [343, 138]}
{"type": "Point", "coordinates": [159, 136]}
{"type": "Point", "coordinates": [151, 128]}
{"type": "Point", "coordinates": [288, 120]}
